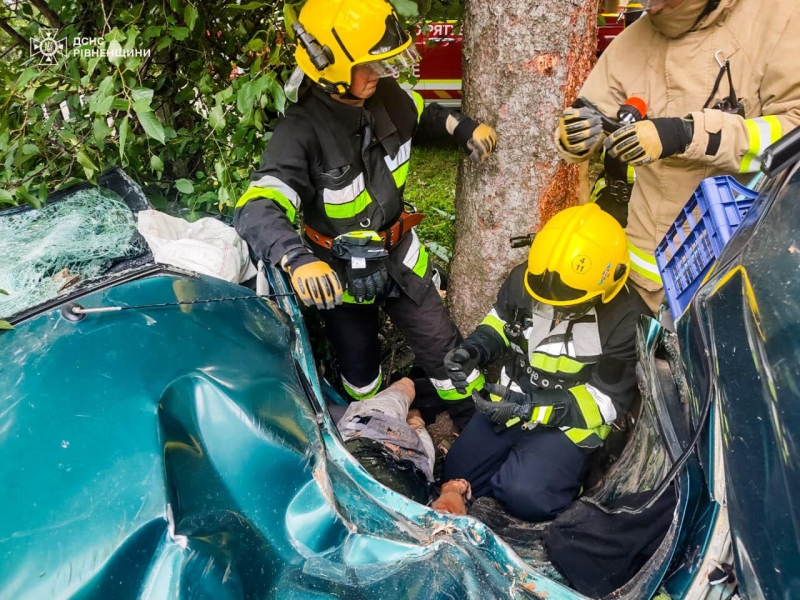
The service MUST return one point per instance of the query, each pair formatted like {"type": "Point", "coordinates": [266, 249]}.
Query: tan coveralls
{"type": "Point", "coordinates": [674, 73]}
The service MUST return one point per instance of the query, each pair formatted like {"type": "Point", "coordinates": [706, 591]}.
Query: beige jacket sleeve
{"type": "Point", "coordinates": [740, 142]}
{"type": "Point", "coordinates": [603, 90]}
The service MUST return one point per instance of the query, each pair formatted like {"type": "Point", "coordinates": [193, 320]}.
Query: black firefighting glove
{"type": "Point", "coordinates": [459, 363]}
{"type": "Point", "coordinates": [314, 281]}
{"type": "Point", "coordinates": [479, 139]}
{"type": "Point", "coordinates": [580, 130]}
{"type": "Point", "coordinates": [643, 142]}
{"type": "Point", "coordinates": [545, 407]}
{"type": "Point", "coordinates": [502, 410]}
{"type": "Point", "coordinates": [364, 256]}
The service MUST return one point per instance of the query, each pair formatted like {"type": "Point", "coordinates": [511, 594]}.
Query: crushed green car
{"type": "Point", "coordinates": [178, 444]}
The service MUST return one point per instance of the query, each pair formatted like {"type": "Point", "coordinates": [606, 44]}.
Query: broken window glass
{"type": "Point", "coordinates": [44, 252]}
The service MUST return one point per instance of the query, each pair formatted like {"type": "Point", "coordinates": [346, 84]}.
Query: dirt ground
{"type": "Point", "coordinates": [442, 430]}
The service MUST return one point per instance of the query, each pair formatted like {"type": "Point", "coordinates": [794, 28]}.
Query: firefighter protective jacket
{"type": "Point", "coordinates": [344, 168]}
{"type": "Point", "coordinates": [593, 358]}
{"type": "Point", "coordinates": [675, 72]}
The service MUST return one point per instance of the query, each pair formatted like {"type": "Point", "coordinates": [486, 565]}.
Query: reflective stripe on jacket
{"type": "Point", "coordinates": [675, 77]}
{"type": "Point", "coordinates": [593, 358]}
{"type": "Point", "coordinates": [343, 168]}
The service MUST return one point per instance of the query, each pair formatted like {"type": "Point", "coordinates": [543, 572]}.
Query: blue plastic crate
{"type": "Point", "coordinates": [699, 234]}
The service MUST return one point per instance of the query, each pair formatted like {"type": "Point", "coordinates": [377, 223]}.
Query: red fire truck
{"type": "Point", "coordinates": [439, 72]}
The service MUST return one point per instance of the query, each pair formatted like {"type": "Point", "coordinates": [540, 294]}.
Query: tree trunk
{"type": "Point", "coordinates": [524, 62]}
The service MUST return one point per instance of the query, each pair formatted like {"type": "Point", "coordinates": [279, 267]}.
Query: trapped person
{"type": "Point", "coordinates": [391, 444]}
{"type": "Point", "coordinates": [340, 157]}
{"type": "Point", "coordinates": [565, 325]}
{"type": "Point", "coordinates": [720, 82]}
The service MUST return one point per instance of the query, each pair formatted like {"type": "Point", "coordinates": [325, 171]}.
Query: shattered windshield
{"type": "Point", "coordinates": [45, 252]}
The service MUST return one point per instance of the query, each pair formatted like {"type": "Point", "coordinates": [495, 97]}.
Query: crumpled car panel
{"type": "Point", "coordinates": [174, 452]}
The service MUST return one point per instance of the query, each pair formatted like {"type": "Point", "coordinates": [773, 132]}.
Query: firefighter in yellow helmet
{"type": "Point", "coordinates": [719, 79]}
{"type": "Point", "coordinates": [336, 167]}
{"type": "Point", "coordinates": [565, 324]}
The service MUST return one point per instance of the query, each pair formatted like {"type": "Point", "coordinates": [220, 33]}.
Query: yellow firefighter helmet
{"type": "Point", "coordinates": [578, 258]}
{"type": "Point", "coordinates": [336, 35]}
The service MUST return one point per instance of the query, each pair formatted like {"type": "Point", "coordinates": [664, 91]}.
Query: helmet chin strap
{"type": "Point", "coordinates": [348, 95]}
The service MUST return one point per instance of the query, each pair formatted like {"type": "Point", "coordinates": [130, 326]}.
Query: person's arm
{"type": "Point", "coordinates": [489, 337]}
{"type": "Point", "coordinates": [735, 144]}
{"type": "Point", "coordinates": [487, 343]}
{"type": "Point", "coordinates": [435, 123]}
{"type": "Point", "coordinates": [267, 213]}
{"type": "Point", "coordinates": [608, 393]}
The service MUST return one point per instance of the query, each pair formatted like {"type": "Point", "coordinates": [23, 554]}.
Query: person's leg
{"type": "Point", "coordinates": [541, 476]}
{"type": "Point", "coordinates": [394, 401]}
{"type": "Point", "coordinates": [353, 331]}
{"type": "Point", "coordinates": [431, 334]}
{"type": "Point", "coordinates": [416, 422]}
{"type": "Point", "coordinates": [478, 453]}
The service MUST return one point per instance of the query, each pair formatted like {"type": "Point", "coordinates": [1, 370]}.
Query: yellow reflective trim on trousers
{"type": "Point", "coordinates": [588, 406]}
{"type": "Point", "coordinates": [419, 103]}
{"type": "Point", "coordinates": [454, 395]}
{"type": "Point", "coordinates": [366, 395]}
{"type": "Point", "coordinates": [257, 193]}
{"type": "Point", "coordinates": [421, 266]}
{"type": "Point", "coordinates": [349, 209]}
{"type": "Point", "coordinates": [551, 364]}
{"type": "Point", "coordinates": [644, 264]}
{"type": "Point", "coordinates": [497, 325]}
{"type": "Point", "coordinates": [400, 174]}
{"type": "Point", "coordinates": [631, 174]}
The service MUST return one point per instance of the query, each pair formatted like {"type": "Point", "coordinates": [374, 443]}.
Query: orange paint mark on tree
{"type": "Point", "coordinates": [544, 64]}
{"type": "Point", "coordinates": [561, 191]}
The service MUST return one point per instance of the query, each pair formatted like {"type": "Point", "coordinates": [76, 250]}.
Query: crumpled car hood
{"type": "Point", "coordinates": [175, 452]}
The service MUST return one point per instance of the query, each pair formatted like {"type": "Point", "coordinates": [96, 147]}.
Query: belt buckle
{"type": "Point", "coordinates": [388, 242]}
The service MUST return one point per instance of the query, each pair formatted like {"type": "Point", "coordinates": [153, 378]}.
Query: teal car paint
{"type": "Point", "coordinates": [186, 451]}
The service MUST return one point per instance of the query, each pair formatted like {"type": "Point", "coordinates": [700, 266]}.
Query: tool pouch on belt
{"type": "Point", "coordinates": [363, 255]}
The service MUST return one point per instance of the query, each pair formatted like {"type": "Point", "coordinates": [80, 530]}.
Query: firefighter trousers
{"type": "Point", "coordinates": [535, 474]}
{"type": "Point", "coordinates": [427, 328]}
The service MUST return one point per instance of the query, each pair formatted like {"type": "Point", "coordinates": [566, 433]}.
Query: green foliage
{"type": "Point", "coordinates": [431, 187]}
{"type": "Point", "coordinates": [188, 121]}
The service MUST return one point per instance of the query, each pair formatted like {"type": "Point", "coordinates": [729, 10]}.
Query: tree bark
{"type": "Point", "coordinates": [48, 13]}
{"type": "Point", "coordinates": [4, 25]}
{"type": "Point", "coordinates": [524, 62]}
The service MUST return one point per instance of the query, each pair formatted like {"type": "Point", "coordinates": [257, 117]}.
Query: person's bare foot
{"type": "Point", "coordinates": [454, 497]}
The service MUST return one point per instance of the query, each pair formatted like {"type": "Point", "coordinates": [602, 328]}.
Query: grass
{"type": "Point", "coordinates": [431, 187]}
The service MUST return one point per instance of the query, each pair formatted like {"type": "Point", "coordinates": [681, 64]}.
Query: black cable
{"type": "Point", "coordinates": [73, 311]}
{"type": "Point", "coordinates": [673, 472]}
{"type": "Point", "coordinates": [205, 301]}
